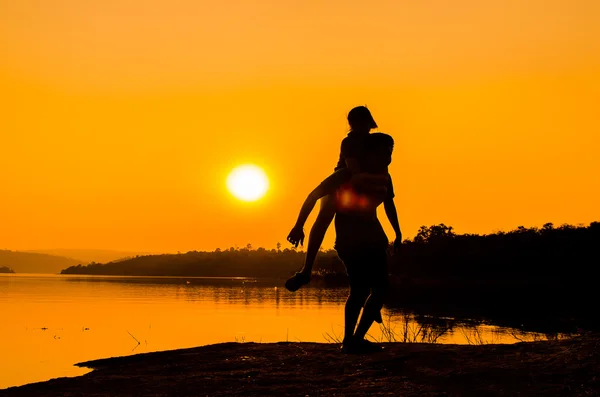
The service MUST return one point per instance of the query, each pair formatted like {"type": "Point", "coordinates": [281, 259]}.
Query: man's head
{"type": "Point", "coordinates": [378, 150]}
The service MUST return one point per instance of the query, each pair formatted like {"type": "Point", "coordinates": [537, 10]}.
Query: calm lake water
{"type": "Point", "coordinates": [50, 322]}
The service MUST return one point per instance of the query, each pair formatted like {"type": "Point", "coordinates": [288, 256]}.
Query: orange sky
{"type": "Point", "coordinates": [121, 119]}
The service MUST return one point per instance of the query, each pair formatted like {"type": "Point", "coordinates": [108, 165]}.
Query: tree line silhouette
{"type": "Point", "coordinates": [232, 262]}
{"type": "Point", "coordinates": [536, 278]}
{"type": "Point", "coordinates": [5, 269]}
{"type": "Point", "coordinates": [531, 255]}
{"type": "Point", "coordinates": [524, 255]}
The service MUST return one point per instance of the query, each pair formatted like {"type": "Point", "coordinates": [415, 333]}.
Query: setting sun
{"type": "Point", "coordinates": [247, 182]}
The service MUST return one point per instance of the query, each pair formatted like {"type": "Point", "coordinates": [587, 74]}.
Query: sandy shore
{"type": "Point", "coordinates": [557, 368]}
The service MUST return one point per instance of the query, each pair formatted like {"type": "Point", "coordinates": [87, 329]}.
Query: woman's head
{"type": "Point", "coordinates": [361, 120]}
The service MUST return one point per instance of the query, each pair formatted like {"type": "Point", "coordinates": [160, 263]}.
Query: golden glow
{"type": "Point", "coordinates": [248, 182]}
{"type": "Point", "coordinates": [120, 120]}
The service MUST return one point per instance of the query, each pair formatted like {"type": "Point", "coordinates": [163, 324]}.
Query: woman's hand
{"type": "Point", "coordinates": [296, 236]}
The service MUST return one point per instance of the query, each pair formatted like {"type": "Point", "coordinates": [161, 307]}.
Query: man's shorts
{"type": "Point", "coordinates": [366, 268]}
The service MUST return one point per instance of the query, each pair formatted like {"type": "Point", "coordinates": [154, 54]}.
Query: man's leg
{"type": "Point", "coordinates": [356, 299]}
{"type": "Point", "coordinates": [379, 290]}
{"type": "Point", "coordinates": [359, 292]}
{"type": "Point", "coordinates": [372, 310]}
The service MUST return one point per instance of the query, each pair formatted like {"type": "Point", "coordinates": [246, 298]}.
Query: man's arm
{"type": "Point", "coordinates": [392, 215]}
{"type": "Point", "coordinates": [390, 211]}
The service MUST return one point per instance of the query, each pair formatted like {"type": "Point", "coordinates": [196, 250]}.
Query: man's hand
{"type": "Point", "coordinates": [296, 236]}
{"type": "Point", "coordinates": [397, 244]}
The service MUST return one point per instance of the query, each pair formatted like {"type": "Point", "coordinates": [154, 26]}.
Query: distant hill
{"type": "Point", "coordinates": [29, 262]}
{"type": "Point", "coordinates": [4, 269]}
{"type": "Point", "coordinates": [85, 256]}
{"type": "Point", "coordinates": [233, 262]}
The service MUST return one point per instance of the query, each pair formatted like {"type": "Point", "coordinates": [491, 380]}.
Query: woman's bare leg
{"type": "Point", "coordinates": [317, 232]}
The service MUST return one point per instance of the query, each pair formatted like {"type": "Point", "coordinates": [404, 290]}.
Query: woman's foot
{"type": "Point", "coordinates": [296, 281]}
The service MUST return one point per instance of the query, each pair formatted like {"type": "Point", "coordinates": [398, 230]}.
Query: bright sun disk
{"type": "Point", "coordinates": [248, 182]}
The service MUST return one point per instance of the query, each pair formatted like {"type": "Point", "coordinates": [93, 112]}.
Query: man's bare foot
{"type": "Point", "coordinates": [360, 346]}
{"type": "Point", "coordinates": [368, 346]}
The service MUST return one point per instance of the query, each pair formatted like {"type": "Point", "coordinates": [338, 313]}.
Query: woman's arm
{"type": "Point", "coordinates": [307, 208]}
{"type": "Point", "coordinates": [325, 188]}
{"type": "Point", "coordinates": [328, 186]}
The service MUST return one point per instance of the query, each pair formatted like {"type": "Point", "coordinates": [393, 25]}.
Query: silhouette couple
{"type": "Point", "coordinates": [360, 183]}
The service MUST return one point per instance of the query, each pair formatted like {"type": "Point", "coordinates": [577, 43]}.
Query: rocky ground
{"type": "Point", "coordinates": [555, 368]}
